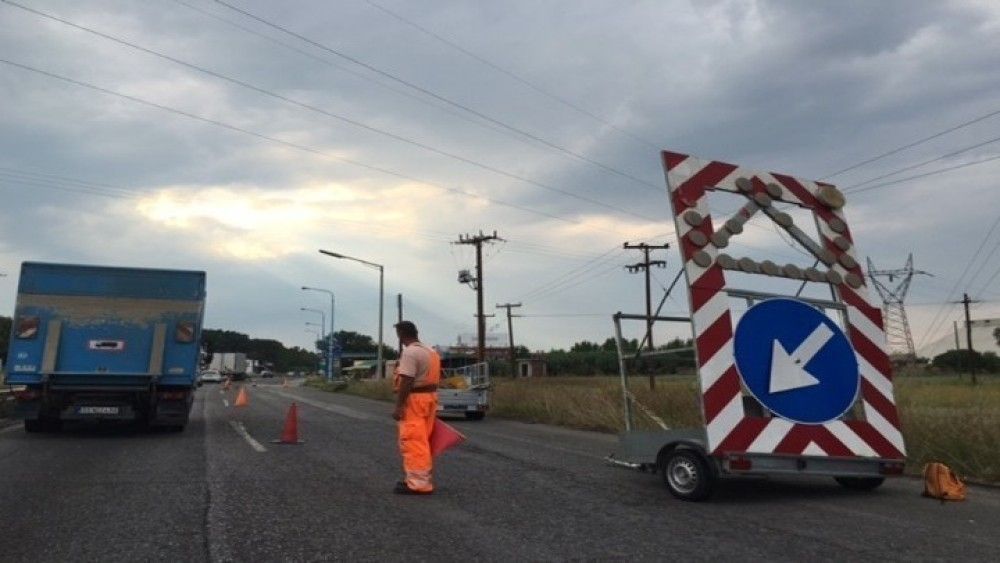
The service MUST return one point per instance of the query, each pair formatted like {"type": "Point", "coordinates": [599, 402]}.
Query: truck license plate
{"type": "Point", "coordinates": [97, 410]}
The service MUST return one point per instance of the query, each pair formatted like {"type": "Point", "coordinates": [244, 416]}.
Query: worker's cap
{"type": "Point", "coordinates": [406, 328]}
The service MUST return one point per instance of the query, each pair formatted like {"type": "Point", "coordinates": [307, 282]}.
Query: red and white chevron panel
{"type": "Point", "coordinates": [729, 428]}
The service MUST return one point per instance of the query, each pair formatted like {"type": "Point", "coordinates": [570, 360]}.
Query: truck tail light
{"type": "Point", "coordinates": [184, 332]}
{"type": "Point", "coordinates": [891, 468]}
{"type": "Point", "coordinates": [27, 327]}
{"type": "Point", "coordinates": [172, 395]}
{"type": "Point", "coordinates": [25, 395]}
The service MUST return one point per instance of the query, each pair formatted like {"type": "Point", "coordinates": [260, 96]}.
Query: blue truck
{"type": "Point", "coordinates": [105, 343]}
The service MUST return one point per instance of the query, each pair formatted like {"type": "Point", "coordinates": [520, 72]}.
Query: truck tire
{"type": "Point", "coordinates": [687, 475]}
{"type": "Point", "coordinates": [475, 415]}
{"type": "Point", "coordinates": [860, 483]}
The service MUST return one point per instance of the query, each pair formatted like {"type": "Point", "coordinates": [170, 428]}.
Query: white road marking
{"type": "Point", "coordinates": [225, 402]}
{"type": "Point", "coordinates": [242, 431]}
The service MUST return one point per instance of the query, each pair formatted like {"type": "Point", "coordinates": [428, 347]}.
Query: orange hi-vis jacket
{"type": "Point", "coordinates": [424, 365]}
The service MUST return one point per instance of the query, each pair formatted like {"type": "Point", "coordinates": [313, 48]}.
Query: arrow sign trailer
{"type": "Point", "coordinates": [808, 376]}
{"type": "Point", "coordinates": [815, 383]}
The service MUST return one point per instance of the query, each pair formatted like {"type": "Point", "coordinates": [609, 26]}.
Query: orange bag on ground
{"type": "Point", "coordinates": [940, 482]}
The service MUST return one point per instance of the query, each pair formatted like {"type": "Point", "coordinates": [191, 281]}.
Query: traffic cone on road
{"type": "Point", "coordinates": [226, 384]}
{"type": "Point", "coordinates": [284, 382]}
{"type": "Point", "coordinates": [290, 434]}
{"type": "Point", "coordinates": [242, 400]}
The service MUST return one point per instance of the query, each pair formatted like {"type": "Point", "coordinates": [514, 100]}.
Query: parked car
{"type": "Point", "coordinates": [267, 373]}
{"type": "Point", "coordinates": [211, 376]}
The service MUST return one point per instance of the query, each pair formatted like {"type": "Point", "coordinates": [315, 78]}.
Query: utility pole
{"type": "Point", "coordinates": [897, 327]}
{"type": "Point", "coordinates": [510, 334]}
{"type": "Point", "coordinates": [644, 266]}
{"type": "Point", "coordinates": [477, 284]}
{"type": "Point", "coordinates": [399, 318]}
{"type": "Point", "coordinates": [968, 336]}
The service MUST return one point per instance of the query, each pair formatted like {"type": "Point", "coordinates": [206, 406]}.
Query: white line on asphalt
{"type": "Point", "coordinates": [336, 409]}
{"type": "Point", "coordinates": [242, 431]}
{"type": "Point", "coordinates": [225, 402]}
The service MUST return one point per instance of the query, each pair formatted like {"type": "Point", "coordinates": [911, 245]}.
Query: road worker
{"type": "Point", "coordinates": [415, 381]}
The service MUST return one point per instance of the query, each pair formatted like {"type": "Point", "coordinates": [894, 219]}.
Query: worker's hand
{"type": "Point", "coordinates": [397, 414]}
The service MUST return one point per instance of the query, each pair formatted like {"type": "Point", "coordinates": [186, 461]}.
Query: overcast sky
{"type": "Point", "coordinates": [557, 152]}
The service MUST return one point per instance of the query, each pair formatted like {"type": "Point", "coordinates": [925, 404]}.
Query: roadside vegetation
{"type": "Point", "coordinates": [944, 418]}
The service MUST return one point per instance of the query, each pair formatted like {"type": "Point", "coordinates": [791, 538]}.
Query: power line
{"type": "Point", "coordinates": [924, 163]}
{"type": "Point", "coordinates": [351, 72]}
{"type": "Point", "coordinates": [911, 145]}
{"type": "Point", "coordinates": [513, 75]}
{"type": "Point", "coordinates": [439, 97]}
{"type": "Point", "coordinates": [934, 323]}
{"type": "Point", "coordinates": [289, 144]}
{"type": "Point", "coordinates": [924, 175]}
{"type": "Point", "coordinates": [332, 115]}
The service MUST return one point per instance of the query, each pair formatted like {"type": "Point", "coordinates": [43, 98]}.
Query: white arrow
{"type": "Point", "coordinates": [788, 371]}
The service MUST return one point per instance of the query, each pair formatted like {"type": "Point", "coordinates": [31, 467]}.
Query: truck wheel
{"type": "Point", "coordinates": [475, 415]}
{"type": "Point", "coordinates": [860, 483]}
{"type": "Point", "coordinates": [687, 475]}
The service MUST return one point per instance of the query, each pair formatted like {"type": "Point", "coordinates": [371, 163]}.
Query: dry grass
{"type": "Point", "coordinates": [944, 418]}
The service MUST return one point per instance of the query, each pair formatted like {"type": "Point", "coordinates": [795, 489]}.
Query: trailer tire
{"type": "Point", "coordinates": [687, 475]}
{"type": "Point", "coordinates": [475, 415]}
{"type": "Point", "coordinates": [860, 483]}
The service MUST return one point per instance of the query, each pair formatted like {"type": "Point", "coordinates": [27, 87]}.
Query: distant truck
{"type": "Point", "coordinates": [230, 364]}
{"type": "Point", "coordinates": [94, 342]}
{"type": "Point", "coordinates": [464, 389]}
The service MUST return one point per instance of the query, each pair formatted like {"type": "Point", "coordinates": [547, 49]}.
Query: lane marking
{"type": "Point", "coordinates": [337, 409]}
{"type": "Point", "coordinates": [242, 431]}
{"type": "Point", "coordinates": [225, 402]}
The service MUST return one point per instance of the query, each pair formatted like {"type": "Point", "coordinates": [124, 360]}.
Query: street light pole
{"type": "Point", "coordinates": [329, 349]}
{"type": "Point", "coordinates": [381, 300]}
{"type": "Point", "coordinates": [322, 318]}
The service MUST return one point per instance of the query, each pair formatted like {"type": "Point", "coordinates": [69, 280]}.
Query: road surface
{"type": "Point", "coordinates": [221, 491]}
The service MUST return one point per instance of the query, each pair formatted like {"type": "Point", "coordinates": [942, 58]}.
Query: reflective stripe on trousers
{"type": "Point", "coordinates": [414, 440]}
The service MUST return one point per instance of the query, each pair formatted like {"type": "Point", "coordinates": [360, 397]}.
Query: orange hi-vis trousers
{"type": "Point", "coordinates": [414, 440]}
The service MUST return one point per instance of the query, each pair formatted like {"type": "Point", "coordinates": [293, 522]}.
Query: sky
{"type": "Point", "coordinates": [239, 138]}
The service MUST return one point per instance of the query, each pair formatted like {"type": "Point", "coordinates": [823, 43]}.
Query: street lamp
{"type": "Point", "coordinates": [329, 351]}
{"type": "Point", "coordinates": [322, 318]}
{"type": "Point", "coordinates": [381, 276]}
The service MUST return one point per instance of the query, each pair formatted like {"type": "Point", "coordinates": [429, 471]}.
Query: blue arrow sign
{"type": "Point", "coordinates": [796, 361]}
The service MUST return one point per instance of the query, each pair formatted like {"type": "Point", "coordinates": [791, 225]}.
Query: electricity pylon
{"type": "Point", "coordinates": [897, 327]}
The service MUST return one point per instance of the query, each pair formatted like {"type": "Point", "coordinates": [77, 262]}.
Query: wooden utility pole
{"type": "Point", "coordinates": [477, 284]}
{"type": "Point", "coordinates": [644, 266]}
{"type": "Point", "coordinates": [510, 335]}
{"type": "Point", "coordinates": [968, 336]}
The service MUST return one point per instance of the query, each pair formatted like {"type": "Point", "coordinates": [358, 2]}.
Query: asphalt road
{"type": "Point", "coordinates": [221, 491]}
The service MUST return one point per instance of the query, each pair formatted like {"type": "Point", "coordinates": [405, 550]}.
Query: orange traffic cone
{"type": "Point", "coordinates": [226, 384]}
{"type": "Point", "coordinates": [444, 437]}
{"type": "Point", "coordinates": [290, 434]}
{"type": "Point", "coordinates": [284, 382]}
{"type": "Point", "coordinates": [242, 399]}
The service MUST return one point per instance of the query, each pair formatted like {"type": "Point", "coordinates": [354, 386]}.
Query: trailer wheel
{"type": "Point", "coordinates": [860, 483]}
{"type": "Point", "coordinates": [687, 475]}
{"type": "Point", "coordinates": [475, 415]}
